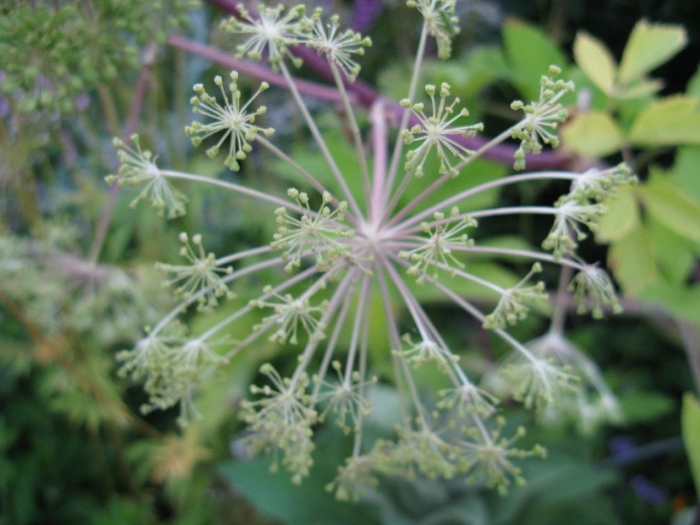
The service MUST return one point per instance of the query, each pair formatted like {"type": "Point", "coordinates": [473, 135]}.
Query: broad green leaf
{"type": "Point", "coordinates": [649, 46]}
{"type": "Point", "coordinates": [305, 504]}
{"type": "Point", "coordinates": [681, 302]}
{"type": "Point", "coordinates": [671, 251]}
{"type": "Point", "coordinates": [632, 261]}
{"type": "Point", "coordinates": [530, 52]}
{"type": "Point", "coordinates": [640, 89]}
{"type": "Point", "coordinates": [468, 77]}
{"type": "Point", "coordinates": [621, 218]}
{"type": "Point", "coordinates": [686, 171]}
{"type": "Point", "coordinates": [596, 61]}
{"type": "Point", "coordinates": [693, 87]}
{"type": "Point", "coordinates": [593, 134]}
{"type": "Point", "coordinates": [641, 407]}
{"type": "Point", "coordinates": [673, 208]}
{"type": "Point", "coordinates": [690, 424]}
{"type": "Point", "coordinates": [668, 122]}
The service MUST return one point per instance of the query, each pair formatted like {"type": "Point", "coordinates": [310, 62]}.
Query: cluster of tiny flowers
{"type": "Point", "coordinates": [342, 262]}
{"type": "Point", "coordinates": [231, 119]}
{"type": "Point", "coordinates": [202, 273]}
{"type": "Point", "coordinates": [138, 168]}
{"type": "Point", "coordinates": [541, 117]}
{"type": "Point", "coordinates": [436, 132]}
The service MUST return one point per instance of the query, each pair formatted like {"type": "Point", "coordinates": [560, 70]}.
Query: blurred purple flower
{"type": "Point", "coordinates": [365, 13]}
{"type": "Point", "coordinates": [647, 491]}
{"type": "Point", "coordinates": [622, 447]}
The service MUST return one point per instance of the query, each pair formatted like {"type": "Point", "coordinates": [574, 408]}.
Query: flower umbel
{"type": "Point", "coordinates": [139, 167]}
{"type": "Point", "coordinates": [336, 269]}
{"type": "Point", "coordinates": [320, 233]}
{"type": "Point", "coordinates": [436, 132]}
{"type": "Point", "coordinates": [511, 308]}
{"type": "Point", "coordinates": [232, 119]}
{"type": "Point", "coordinates": [440, 21]}
{"type": "Point", "coordinates": [336, 45]}
{"type": "Point", "coordinates": [541, 117]}
{"type": "Point", "coordinates": [444, 238]}
{"type": "Point", "coordinates": [201, 275]}
{"type": "Point", "coordinates": [270, 32]}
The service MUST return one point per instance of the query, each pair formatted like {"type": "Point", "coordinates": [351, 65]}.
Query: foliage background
{"type": "Point", "coordinates": [75, 448]}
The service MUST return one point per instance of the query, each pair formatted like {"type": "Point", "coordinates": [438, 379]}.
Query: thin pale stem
{"type": "Point", "coordinates": [355, 130]}
{"type": "Point", "coordinates": [397, 281]}
{"type": "Point", "coordinates": [515, 210]}
{"type": "Point", "coordinates": [379, 150]}
{"type": "Point", "coordinates": [321, 143]}
{"type": "Point", "coordinates": [333, 341]}
{"type": "Point", "coordinates": [233, 187]}
{"type": "Point", "coordinates": [559, 317]}
{"type": "Point", "coordinates": [336, 299]}
{"type": "Point", "coordinates": [398, 147]}
{"type": "Point", "coordinates": [228, 278]}
{"type": "Point", "coordinates": [289, 161]}
{"type": "Point", "coordinates": [363, 372]}
{"type": "Point", "coordinates": [478, 314]}
{"type": "Point", "coordinates": [527, 254]}
{"type": "Point", "coordinates": [512, 179]}
{"type": "Point", "coordinates": [242, 255]}
{"type": "Point", "coordinates": [362, 306]}
{"type": "Point", "coordinates": [394, 337]}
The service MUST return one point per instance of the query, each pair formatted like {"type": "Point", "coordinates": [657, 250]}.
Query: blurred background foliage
{"type": "Point", "coordinates": [77, 282]}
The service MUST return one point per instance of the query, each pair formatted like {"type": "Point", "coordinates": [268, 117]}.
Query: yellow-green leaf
{"type": "Point", "coordinates": [690, 425]}
{"type": "Point", "coordinates": [593, 134]}
{"type": "Point", "coordinates": [671, 207]}
{"type": "Point", "coordinates": [649, 46]}
{"type": "Point", "coordinates": [672, 253]}
{"type": "Point", "coordinates": [632, 262]}
{"type": "Point", "coordinates": [667, 122]}
{"type": "Point", "coordinates": [640, 89]}
{"type": "Point", "coordinates": [621, 218]}
{"type": "Point", "coordinates": [596, 61]}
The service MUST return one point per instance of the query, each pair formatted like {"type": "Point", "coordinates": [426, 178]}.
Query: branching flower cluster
{"type": "Point", "coordinates": [342, 260]}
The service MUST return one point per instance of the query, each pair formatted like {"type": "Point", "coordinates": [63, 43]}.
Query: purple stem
{"type": "Point", "coordinates": [254, 70]}
{"type": "Point", "coordinates": [367, 95]}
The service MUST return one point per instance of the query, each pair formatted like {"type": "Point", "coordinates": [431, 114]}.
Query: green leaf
{"type": "Point", "coordinates": [621, 218]}
{"type": "Point", "coordinates": [593, 134]}
{"type": "Point", "coordinates": [693, 87]}
{"type": "Point", "coordinates": [305, 504]}
{"type": "Point", "coordinates": [671, 251]}
{"type": "Point", "coordinates": [530, 52]}
{"type": "Point", "coordinates": [681, 302]}
{"type": "Point", "coordinates": [690, 424]}
{"type": "Point", "coordinates": [649, 46]}
{"type": "Point", "coordinates": [672, 207]}
{"type": "Point", "coordinates": [686, 171]}
{"type": "Point", "coordinates": [632, 261]}
{"type": "Point", "coordinates": [668, 122]}
{"type": "Point", "coordinates": [596, 61]}
{"type": "Point", "coordinates": [643, 407]}
{"type": "Point", "coordinates": [641, 88]}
